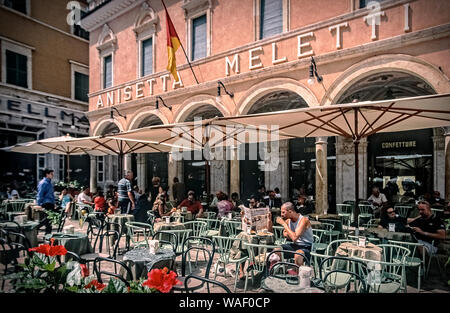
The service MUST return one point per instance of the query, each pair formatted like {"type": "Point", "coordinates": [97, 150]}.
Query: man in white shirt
{"type": "Point", "coordinates": [378, 200]}
{"type": "Point", "coordinates": [84, 197]}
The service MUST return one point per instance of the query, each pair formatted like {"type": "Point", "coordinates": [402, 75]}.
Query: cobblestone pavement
{"type": "Point", "coordinates": [435, 283]}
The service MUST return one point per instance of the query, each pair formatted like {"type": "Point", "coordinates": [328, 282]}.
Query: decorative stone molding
{"type": "Point", "coordinates": [107, 40]}
{"type": "Point", "coordinates": [192, 7]}
{"type": "Point", "coordinates": [146, 21]}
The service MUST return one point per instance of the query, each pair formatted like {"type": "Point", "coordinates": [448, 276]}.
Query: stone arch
{"type": "Point", "coordinates": [106, 38]}
{"type": "Point", "coordinates": [104, 123]}
{"type": "Point", "coordinates": [144, 113]}
{"type": "Point", "coordinates": [189, 105]}
{"type": "Point", "coordinates": [146, 18]}
{"type": "Point", "coordinates": [386, 63]}
{"type": "Point", "coordinates": [272, 85]}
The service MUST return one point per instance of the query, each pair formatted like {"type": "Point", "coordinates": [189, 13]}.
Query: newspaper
{"type": "Point", "coordinates": [255, 219]}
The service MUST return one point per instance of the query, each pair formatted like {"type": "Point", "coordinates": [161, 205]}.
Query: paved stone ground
{"type": "Point", "coordinates": [435, 283]}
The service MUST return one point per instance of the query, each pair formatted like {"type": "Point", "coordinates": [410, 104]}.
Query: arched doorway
{"type": "Point", "coordinates": [194, 170]}
{"type": "Point", "coordinates": [401, 164]}
{"type": "Point", "coordinates": [251, 175]}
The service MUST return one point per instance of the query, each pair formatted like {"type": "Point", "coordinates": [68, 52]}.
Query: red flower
{"type": "Point", "coordinates": [50, 250]}
{"type": "Point", "coordinates": [161, 280]}
{"type": "Point", "coordinates": [96, 284]}
{"type": "Point", "coordinates": [84, 270]}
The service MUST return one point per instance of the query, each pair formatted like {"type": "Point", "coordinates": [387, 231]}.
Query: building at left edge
{"type": "Point", "coordinates": [44, 81]}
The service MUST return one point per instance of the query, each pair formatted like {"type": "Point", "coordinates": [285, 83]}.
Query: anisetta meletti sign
{"type": "Point", "coordinates": [232, 63]}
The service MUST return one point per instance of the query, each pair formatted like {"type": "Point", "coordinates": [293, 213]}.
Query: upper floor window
{"type": "Point", "coordinates": [199, 37]}
{"type": "Point", "coordinates": [18, 5]}
{"type": "Point", "coordinates": [78, 30]}
{"type": "Point", "coordinates": [16, 69]}
{"type": "Point", "coordinates": [147, 57]}
{"type": "Point", "coordinates": [81, 86]}
{"type": "Point", "coordinates": [364, 3]}
{"type": "Point", "coordinates": [107, 71]}
{"type": "Point", "coordinates": [271, 18]}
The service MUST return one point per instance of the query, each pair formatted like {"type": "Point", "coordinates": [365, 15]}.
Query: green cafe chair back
{"type": "Point", "coordinates": [278, 233]}
{"type": "Point", "coordinates": [212, 227]}
{"type": "Point", "coordinates": [402, 210]}
{"type": "Point", "coordinates": [198, 227]}
{"type": "Point", "coordinates": [16, 205]}
{"type": "Point", "coordinates": [232, 227]}
{"type": "Point", "coordinates": [181, 235]}
{"type": "Point", "coordinates": [344, 209]}
{"type": "Point", "coordinates": [139, 233]}
{"type": "Point", "coordinates": [257, 254]}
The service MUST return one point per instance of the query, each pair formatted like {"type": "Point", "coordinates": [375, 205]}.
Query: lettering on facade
{"type": "Point", "coordinates": [399, 144]}
{"type": "Point", "coordinates": [232, 63]}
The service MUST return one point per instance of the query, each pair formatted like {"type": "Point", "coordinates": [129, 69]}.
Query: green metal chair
{"type": "Point", "coordinates": [233, 228]}
{"type": "Point", "coordinates": [433, 256]}
{"type": "Point", "coordinates": [198, 227]}
{"type": "Point", "coordinates": [320, 243]}
{"type": "Point", "coordinates": [210, 214]}
{"type": "Point", "coordinates": [213, 227]}
{"type": "Point", "coordinates": [16, 205]}
{"type": "Point", "coordinates": [372, 223]}
{"type": "Point", "coordinates": [256, 260]}
{"type": "Point", "coordinates": [350, 271]}
{"type": "Point", "coordinates": [402, 210]}
{"type": "Point", "coordinates": [391, 270]}
{"type": "Point", "coordinates": [181, 235]}
{"type": "Point", "coordinates": [337, 231]}
{"type": "Point", "coordinates": [136, 230]}
{"type": "Point", "coordinates": [223, 246]}
{"type": "Point", "coordinates": [345, 211]}
{"type": "Point", "coordinates": [278, 233]}
{"type": "Point", "coordinates": [365, 211]}
{"type": "Point", "coordinates": [80, 208]}
{"type": "Point", "coordinates": [414, 259]}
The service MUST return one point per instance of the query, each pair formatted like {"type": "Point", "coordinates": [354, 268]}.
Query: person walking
{"type": "Point", "coordinates": [126, 195]}
{"type": "Point", "coordinates": [46, 198]}
{"type": "Point", "coordinates": [178, 191]}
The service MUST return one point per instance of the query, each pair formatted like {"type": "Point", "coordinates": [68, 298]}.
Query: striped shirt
{"type": "Point", "coordinates": [123, 188]}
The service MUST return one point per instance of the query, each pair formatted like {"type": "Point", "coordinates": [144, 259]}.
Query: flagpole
{"type": "Point", "coordinates": [184, 51]}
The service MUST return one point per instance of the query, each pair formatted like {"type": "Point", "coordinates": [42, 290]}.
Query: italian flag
{"type": "Point", "coordinates": [173, 43]}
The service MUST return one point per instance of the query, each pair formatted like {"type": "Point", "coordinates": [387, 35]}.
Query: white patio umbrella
{"type": "Point", "coordinates": [356, 121]}
{"type": "Point", "coordinates": [54, 145]}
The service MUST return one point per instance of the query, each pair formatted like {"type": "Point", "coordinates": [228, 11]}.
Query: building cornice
{"type": "Point", "coordinates": [108, 12]}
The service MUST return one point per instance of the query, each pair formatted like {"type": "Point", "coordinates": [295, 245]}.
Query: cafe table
{"type": "Point", "coordinates": [77, 242]}
{"type": "Point", "coordinates": [141, 261]}
{"type": "Point", "coordinates": [29, 229]}
{"type": "Point", "coordinates": [385, 234]}
{"type": "Point", "coordinates": [279, 285]}
{"type": "Point", "coordinates": [239, 250]}
{"type": "Point", "coordinates": [163, 226]}
{"type": "Point", "coordinates": [368, 252]}
{"type": "Point", "coordinates": [12, 215]}
{"type": "Point", "coordinates": [318, 217]}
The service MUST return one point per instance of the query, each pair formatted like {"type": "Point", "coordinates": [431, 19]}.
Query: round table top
{"type": "Point", "coordinates": [76, 242]}
{"type": "Point", "coordinates": [383, 233]}
{"type": "Point", "coordinates": [29, 225]}
{"type": "Point", "coordinates": [279, 285]}
{"type": "Point", "coordinates": [167, 226]}
{"type": "Point", "coordinates": [142, 254]}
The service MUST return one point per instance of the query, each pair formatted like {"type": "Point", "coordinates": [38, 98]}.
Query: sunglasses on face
{"type": "Point", "coordinates": [390, 212]}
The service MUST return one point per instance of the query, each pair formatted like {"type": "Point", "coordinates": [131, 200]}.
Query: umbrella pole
{"type": "Point", "coordinates": [356, 146]}
{"type": "Point", "coordinates": [207, 177]}
{"type": "Point", "coordinates": [120, 166]}
{"type": "Point", "coordinates": [68, 167]}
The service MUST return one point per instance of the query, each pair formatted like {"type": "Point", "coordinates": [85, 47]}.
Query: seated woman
{"type": "Point", "coordinates": [142, 206]}
{"type": "Point", "coordinates": [224, 206]}
{"type": "Point", "coordinates": [112, 207]}
{"type": "Point", "coordinates": [160, 207]}
{"type": "Point", "coordinates": [100, 202]}
{"type": "Point", "coordinates": [398, 222]}
{"type": "Point", "coordinates": [66, 198]}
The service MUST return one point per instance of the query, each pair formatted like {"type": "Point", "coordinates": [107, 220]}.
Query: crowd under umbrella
{"type": "Point", "coordinates": [54, 145]}
{"type": "Point", "coordinates": [354, 121]}
{"type": "Point", "coordinates": [357, 120]}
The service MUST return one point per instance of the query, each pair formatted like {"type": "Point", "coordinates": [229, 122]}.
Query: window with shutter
{"type": "Point", "coordinates": [271, 18]}
{"type": "Point", "coordinates": [16, 69]}
{"type": "Point", "coordinates": [18, 5]}
{"type": "Point", "coordinates": [199, 37]}
{"type": "Point", "coordinates": [107, 71]}
{"type": "Point", "coordinates": [147, 57]}
{"type": "Point", "coordinates": [81, 87]}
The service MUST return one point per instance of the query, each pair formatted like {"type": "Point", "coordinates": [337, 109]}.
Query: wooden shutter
{"type": "Point", "coordinates": [107, 72]}
{"type": "Point", "coordinates": [199, 37]}
{"type": "Point", "coordinates": [271, 18]}
{"type": "Point", "coordinates": [147, 57]}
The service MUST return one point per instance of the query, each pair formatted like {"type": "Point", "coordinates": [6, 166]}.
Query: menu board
{"type": "Point", "coordinates": [255, 219]}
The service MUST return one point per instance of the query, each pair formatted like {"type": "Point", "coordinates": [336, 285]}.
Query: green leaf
{"type": "Point", "coordinates": [50, 267]}
{"type": "Point", "coordinates": [116, 286]}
